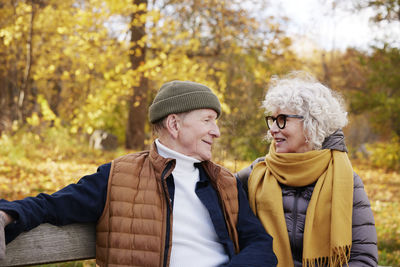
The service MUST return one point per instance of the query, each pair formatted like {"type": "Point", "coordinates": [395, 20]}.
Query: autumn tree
{"type": "Point", "coordinates": [65, 53]}
{"type": "Point", "coordinates": [16, 93]}
{"type": "Point", "coordinates": [137, 116]}
{"type": "Point", "coordinates": [97, 64]}
{"type": "Point", "coordinates": [385, 10]}
{"type": "Point", "coordinates": [380, 94]}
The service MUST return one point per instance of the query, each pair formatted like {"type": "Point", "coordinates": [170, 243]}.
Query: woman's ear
{"type": "Point", "coordinates": [172, 125]}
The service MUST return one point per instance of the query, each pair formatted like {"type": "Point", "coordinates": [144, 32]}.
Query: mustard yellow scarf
{"type": "Point", "coordinates": [328, 226]}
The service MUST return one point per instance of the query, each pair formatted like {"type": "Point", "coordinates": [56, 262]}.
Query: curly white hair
{"type": "Point", "coordinates": [322, 108]}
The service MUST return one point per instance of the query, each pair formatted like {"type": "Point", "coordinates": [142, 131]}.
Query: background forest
{"type": "Point", "coordinates": [68, 68]}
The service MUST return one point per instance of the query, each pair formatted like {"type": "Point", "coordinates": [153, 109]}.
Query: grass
{"type": "Point", "coordinates": [383, 190]}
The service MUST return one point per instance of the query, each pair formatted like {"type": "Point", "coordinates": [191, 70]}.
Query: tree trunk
{"type": "Point", "coordinates": [16, 97]}
{"type": "Point", "coordinates": [135, 135]}
{"type": "Point", "coordinates": [26, 99]}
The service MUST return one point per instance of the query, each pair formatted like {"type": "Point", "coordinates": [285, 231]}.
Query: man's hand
{"type": "Point", "coordinates": [4, 220]}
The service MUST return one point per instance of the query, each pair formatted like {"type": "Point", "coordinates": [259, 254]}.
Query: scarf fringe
{"type": "Point", "coordinates": [341, 256]}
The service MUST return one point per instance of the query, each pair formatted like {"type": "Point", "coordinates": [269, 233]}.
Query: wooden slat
{"type": "Point", "coordinates": [49, 244]}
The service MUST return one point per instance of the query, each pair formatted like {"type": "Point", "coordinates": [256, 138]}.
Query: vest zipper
{"type": "Point", "coordinates": [168, 211]}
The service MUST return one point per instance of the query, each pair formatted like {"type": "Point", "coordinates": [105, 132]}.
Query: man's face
{"type": "Point", "coordinates": [196, 132]}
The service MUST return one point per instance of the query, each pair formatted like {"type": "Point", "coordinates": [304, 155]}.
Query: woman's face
{"type": "Point", "coordinates": [291, 138]}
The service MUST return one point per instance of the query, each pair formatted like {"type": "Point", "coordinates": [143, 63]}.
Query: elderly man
{"type": "Point", "coordinates": [169, 206]}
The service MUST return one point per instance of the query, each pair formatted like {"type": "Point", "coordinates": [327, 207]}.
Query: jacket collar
{"type": "Point", "coordinates": [163, 166]}
{"type": "Point", "coordinates": [335, 141]}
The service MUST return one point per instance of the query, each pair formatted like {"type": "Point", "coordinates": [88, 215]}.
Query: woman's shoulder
{"type": "Point", "coordinates": [243, 174]}
{"type": "Point", "coordinates": [358, 183]}
{"type": "Point", "coordinates": [361, 202]}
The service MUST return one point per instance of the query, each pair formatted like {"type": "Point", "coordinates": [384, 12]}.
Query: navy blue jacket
{"type": "Point", "coordinates": [85, 200]}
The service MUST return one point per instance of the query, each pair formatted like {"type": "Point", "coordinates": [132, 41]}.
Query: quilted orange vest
{"type": "Point", "coordinates": [132, 228]}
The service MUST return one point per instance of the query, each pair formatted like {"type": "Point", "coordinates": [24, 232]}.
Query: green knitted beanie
{"type": "Point", "coordinates": [182, 96]}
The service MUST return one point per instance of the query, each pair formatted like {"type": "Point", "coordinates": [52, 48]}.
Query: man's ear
{"type": "Point", "coordinates": [172, 124]}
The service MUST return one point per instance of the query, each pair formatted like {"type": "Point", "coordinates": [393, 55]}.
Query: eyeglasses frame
{"type": "Point", "coordinates": [284, 121]}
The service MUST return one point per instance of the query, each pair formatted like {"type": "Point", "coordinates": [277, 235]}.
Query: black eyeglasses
{"type": "Point", "coordinates": [280, 120]}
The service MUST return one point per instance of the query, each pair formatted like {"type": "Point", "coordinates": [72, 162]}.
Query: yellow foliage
{"type": "Point", "coordinates": [47, 113]}
{"type": "Point", "coordinates": [386, 155]}
{"type": "Point", "coordinates": [6, 37]}
{"type": "Point", "coordinates": [34, 119]}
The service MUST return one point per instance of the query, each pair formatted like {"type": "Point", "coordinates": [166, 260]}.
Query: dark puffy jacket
{"type": "Point", "coordinates": [364, 250]}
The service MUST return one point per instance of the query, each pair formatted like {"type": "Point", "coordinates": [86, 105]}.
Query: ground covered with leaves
{"type": "Point", "coordinates": [383, 189]}
{"type": "Point", "coordinates": [47, 168]}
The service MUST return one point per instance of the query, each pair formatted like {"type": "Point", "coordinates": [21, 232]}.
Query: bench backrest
{"type": "Point", "coordinates": [50, 244]}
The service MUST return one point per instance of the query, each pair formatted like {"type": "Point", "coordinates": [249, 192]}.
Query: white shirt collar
{"type": "Point", "coordinates": [182, 161]}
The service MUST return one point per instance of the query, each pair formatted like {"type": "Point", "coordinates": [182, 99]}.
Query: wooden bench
{"type": "Point", "coordinates": [50, 244]}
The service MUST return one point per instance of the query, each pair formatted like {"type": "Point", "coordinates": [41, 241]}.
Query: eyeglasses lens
{"type": "Point", "coordinates": [281, 121]}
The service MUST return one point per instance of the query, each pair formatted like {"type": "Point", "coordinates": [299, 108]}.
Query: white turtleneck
{"type": "Point", "coordinates": [194, 240]}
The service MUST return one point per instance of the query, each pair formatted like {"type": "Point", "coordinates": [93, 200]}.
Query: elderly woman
{"type": "Point", "coordinates": [305, 191]}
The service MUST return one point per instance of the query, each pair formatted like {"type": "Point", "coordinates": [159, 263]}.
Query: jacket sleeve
{"type": "Point", "coordinates": [80, 202]}
{"type": "Point", "coordinates": [364, 251]}
{"type": "Point", "coordinates": [255, 244]}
